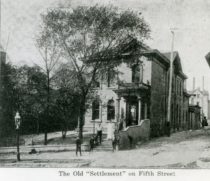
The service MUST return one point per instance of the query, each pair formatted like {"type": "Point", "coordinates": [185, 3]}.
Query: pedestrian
{"type": "Point", "coordinates": [114, 144]}
{"type": "Point", "coordinates": [204, 122]}
{"type": "Point", "coordinates": [91, 143]}
{"type": "Point", "coordinates": [78, 146]}
{"type": "Point", "coordinates": [99, 132]}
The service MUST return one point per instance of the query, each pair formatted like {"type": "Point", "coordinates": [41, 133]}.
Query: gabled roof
{"type": "Point", "coordinates": [177, 62]}
{"type": "Point", "coordinates": [204, 92]}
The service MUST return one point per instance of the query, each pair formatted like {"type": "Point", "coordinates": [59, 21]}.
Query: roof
{"type": "Point", "coordinates": [168, 55]}
{"type": "Point", "coordinates": [204, 92]}
{"type": "Point", "coordinates": [158, 54]}
{"type": "Point", "coordinates": [177, 62]}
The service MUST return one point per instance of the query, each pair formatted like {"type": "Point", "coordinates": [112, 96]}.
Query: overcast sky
{"type": "Point", "coordinates": [20, 19]}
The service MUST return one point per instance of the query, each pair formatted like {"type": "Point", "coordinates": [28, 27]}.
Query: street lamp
{"type": "Point", "coordinates": [17, 124]}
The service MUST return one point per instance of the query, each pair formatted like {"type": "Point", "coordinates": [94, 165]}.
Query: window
{"type": "Point", "coordinates": [95, 109]}
{"type": "Point", "coordinates": [110, 110]}
{"type": "Point", "coordinates": [136, 73]}
{"type": "Point", "coordinates": [108, 78]}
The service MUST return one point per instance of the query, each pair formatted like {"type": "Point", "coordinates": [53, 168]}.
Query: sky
{"type": "Point", "coordinates": [21, 19]}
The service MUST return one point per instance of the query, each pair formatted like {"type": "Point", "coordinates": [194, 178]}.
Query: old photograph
{"type": "Point", "coordinates": [105, 84]}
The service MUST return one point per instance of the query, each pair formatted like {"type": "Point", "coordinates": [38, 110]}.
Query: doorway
{"type": "Point", "coordinates": [132, 113]}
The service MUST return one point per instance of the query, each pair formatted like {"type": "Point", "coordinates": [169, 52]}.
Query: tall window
{"type": "Point", "coordinates": [110, 110]}
{"type": "Point", "coordinates": [108, 78]}
{"type": "Point", "coordinates": [95, 109]}
{"type": "Point", "coordinates": [136, 73]}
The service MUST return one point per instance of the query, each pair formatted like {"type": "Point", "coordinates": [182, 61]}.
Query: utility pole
{"type": "Point", "coordinates": [0, 69]}
{"type": "Point", "coordinates": [170, 85]}
{"type": "Point", "coordinates": [0, 22]}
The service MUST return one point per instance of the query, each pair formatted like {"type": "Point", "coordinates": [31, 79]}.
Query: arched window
{"type": "Point", "coordinates": [136, 73]}
{"type": "Point", "coordinates": [110, 110]}
{"type": "Point", "coordinates": [95, 109]}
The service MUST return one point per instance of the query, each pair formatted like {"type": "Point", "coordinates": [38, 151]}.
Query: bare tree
{"type": "Point", "coordinates": [47, 46]}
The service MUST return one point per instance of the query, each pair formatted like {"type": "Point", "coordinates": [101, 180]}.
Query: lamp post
{"type": "Point", "coordinates": [17, 124]}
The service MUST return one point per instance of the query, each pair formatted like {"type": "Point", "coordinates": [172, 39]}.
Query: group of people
{"type": "Point", "coordinates": [94, 140]}
{"type": "Point", "coordinates": [97, 139]}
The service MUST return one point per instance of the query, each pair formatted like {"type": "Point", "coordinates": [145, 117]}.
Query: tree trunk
{"type": "Point", "coordinates": [81, 119]}
{"type": "Point", "coordinates": [48, 105]}
{"type": "Point", "coordinates": [37, 126]}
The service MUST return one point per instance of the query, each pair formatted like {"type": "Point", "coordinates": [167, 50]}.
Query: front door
{"type": "Point", "coordinates": [132, 113]}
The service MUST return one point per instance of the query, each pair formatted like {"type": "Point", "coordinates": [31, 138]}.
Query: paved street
{"type": "Point", "coordinates": [182, 150]}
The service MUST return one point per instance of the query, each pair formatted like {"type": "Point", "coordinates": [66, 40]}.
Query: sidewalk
{"type": "Point", "coordinates": [178, 136]}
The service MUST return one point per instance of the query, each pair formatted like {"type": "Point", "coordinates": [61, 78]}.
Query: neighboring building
{"type": "Point", "coordinates": [194, 117]}
{"type": "Point", "coordinates": [201, 98]}
{"type": "Point", "coordinates": [140, 91]}
{"type": "Point", "coordinates": [180, 98]}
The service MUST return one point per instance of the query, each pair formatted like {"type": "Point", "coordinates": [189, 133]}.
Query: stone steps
{"type": "Point", "coordinates": [105, 146]}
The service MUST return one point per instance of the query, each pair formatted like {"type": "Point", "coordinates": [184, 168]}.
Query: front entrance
{"type": "Point", "coordinates": [132, 112]}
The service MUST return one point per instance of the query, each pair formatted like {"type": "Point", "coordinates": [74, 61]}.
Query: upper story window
{"type": "Point", "coordinates": [109, 78]}
{"type": "Point", "coordinates": [95, 109]}
{"type": "Point", "coordinates": [110, 110]}
{"type": "Point", "coordinates": [136, 73]}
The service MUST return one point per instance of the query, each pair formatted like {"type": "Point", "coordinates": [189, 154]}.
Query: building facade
{"type": "Point", "coordinates": [200, 98]}
{"type": "Point", "coordinates": [140, 91]}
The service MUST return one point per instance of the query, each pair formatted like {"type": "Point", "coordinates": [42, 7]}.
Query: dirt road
{"type": "Point", "coordinates": [181, 150]}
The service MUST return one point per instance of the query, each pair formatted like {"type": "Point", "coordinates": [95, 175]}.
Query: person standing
{"type": "Point", "coordinates": [99, 132]}
{"type": "Point", "coordinates": [78, 146]}
{"type": "Point", "coordinates": [114, 144]}
{"type": "Point", "coordinates": [204, 122]}
{"type": "Point", "coordinates": [91, 143]}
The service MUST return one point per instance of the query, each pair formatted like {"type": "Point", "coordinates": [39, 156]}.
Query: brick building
{"type": "Point", "coordinates": [140, 91]}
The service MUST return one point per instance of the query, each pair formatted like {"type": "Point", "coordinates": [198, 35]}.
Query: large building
{"type": "Point", "coordinates": [140, 91]}
{"type": "Point", "coordinates": [200, 97]}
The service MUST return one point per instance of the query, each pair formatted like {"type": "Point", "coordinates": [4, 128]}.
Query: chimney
{"type": "Point", "coordinates": [193, 83]}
